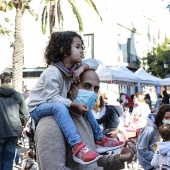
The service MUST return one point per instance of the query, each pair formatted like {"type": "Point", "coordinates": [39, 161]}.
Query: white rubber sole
{"type": "Point", "coordinates": [100, 149]}
{"type": "Point", "coordinates": [77, 160]}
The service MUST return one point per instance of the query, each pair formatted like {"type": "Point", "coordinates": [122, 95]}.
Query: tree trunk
{"type": "Point", "coordinates": [18, 53]}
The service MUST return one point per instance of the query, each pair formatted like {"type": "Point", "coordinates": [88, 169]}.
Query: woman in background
{"type": "Point", "coordinates": [140, 112]}
{"type": "Point", "coordinates": [99, 110]}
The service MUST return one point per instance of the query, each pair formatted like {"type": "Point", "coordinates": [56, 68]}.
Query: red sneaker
{"type": "Point", "coordinates": [83, 155]}
{"type": "Point", "coordinates": [108, 144]}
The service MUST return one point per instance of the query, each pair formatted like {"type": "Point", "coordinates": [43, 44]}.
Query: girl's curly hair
{"type": "Point", "coordinates": [59, 46]}
{"type": "Point", "coordinates": [161, 113]}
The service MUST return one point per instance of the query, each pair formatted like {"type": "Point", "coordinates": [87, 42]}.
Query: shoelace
{"type": "Point", "coordinates": [85, 149]}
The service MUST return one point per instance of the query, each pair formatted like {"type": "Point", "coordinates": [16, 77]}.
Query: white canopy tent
{"type": "Point", "coordinates": [125, 70]}
{"type": "Point", "coordinates": [107, 74]}
{"type": "Point", "coordinates": [164, 82]}
{"type": "Point", "coordinates": [147, 78]}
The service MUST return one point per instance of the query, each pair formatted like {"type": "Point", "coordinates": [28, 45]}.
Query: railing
{"type": "Point", "coordinates": [133, 60]}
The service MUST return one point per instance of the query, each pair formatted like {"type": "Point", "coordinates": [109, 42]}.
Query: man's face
{"type": "Point", "coordinates": [88, 81]}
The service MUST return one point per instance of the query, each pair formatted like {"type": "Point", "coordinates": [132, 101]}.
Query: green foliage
{"type": "Point", "coordinates": [60, 13]}
{"type": "Point", "coordinates": [4, 31]}
{"type": "Point", "coordinates": [156, 58]}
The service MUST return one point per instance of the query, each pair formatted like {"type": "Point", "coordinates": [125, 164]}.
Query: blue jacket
{"type": "Point", "coordinates": [148, 137]}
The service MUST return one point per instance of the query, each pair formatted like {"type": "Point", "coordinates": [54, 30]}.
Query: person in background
{"type": "Point", "coordinates": [114, 110]}
{"type": "Point", "coordinates": [126, 117]}
{"type": "Point", "coordinates": [126, 101]}
{"type": "Point", "coordinates": [13, 116]}
{"type": "Point", "coordinates": [26, 92]}
{"type": "Point", "coordinates": [148, 99]}
{"type": "Point", "coordinates": [58, 155]}
{"type": "Point", "coordinates": [161, 159]}
{"type": "Point", "coordinates": [149, 135]}
{"type": "Point", "coordinates": [140, 112]}
{"type": "Point", "coordinates": [165, 99]}
{"type": "Point", "coordinates": [158, 103]}
{"type": "Point", "coordinates": [99, 109]}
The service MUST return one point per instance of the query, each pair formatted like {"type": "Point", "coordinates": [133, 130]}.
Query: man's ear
{"type": "Point", "coordinates": [70, 92]}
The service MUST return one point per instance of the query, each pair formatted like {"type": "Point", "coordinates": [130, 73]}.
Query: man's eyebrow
{"type": "Point", "coordinates": [87, 83]}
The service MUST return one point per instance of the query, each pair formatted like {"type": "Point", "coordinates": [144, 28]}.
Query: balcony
{"type": "Point", "coordinates": [133, 60]}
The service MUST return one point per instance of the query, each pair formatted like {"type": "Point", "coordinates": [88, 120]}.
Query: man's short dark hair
{"type": "Point", "coordinates": [5, 77]}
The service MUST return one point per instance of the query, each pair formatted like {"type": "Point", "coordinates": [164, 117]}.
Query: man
{"type": "Point", "coordinates": [126, 101]}
{"type": "Point", "coordinates": [13, 116]}
{"type": "Point", "coordinates": [54, 153]}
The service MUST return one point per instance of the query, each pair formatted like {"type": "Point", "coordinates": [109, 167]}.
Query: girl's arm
{"type": "Point", "coordinates": [87, 64]}
{"type": "Point", "coordinates": [92, 63]}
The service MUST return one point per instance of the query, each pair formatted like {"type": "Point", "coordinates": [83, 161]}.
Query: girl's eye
{"type": "Point", "coordinates": [79, 47]}
{"type": "Point", "coordinates": [166, 117]}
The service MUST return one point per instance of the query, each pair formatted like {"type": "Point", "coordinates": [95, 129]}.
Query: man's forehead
{"type": "Point", "coordinates": [90, 77]}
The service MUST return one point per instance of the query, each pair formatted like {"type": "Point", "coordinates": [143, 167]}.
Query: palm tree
{"type": "Point", "coordinates": [60, 18]}
{"type": "Point", "coordinates": [18, 52]}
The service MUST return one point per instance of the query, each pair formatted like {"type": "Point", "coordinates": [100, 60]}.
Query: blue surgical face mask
{"type": "Point", "coordinates": [165, 121]}
{"type": "Point", "coordinates": [86, 97]}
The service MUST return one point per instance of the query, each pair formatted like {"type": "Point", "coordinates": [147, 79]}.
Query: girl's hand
{"type": "Point", "coordinates": [80, 107]}
{"type": "Point", "coordinates": [78, 71]}
{"type": "Point", "coordinates": [76, 74]}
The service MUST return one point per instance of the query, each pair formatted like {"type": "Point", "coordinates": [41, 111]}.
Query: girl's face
{"type": "Point", "coordinates": [76, 55]}
{"type": "Point", "coordinates": [166, 119]}
{"type": "Point", "coordinates": [167, 116]}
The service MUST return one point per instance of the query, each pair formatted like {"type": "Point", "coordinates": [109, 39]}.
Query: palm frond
{"type": "Point", "coordinates": [91, 3]}
{"type": "Point", "coordinates": [3, 6]}
{"type": "Point", "coordinates": [77, 14]}
{"type": "Point", "coordinates": [4, 31]}
{"type": "Point", "coordinates": [44, 20]}
{"type": "Point", "coordinates": [59, 14]}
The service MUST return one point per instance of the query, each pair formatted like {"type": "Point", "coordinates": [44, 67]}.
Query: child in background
{"type": "Point", "coordinates": [126, 117]}
{"type": "Point", "coordinates": [49, 96]}
{"type": "Point", "coordinates": [149, 135]}
{"type": "Point", "coordinates": [161, 159]}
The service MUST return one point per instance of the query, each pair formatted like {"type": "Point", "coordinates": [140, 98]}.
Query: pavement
{"type": "Point", "coordinates": [22, 148]}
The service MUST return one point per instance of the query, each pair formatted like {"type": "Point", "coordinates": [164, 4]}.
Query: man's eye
{"type": "Point", "coordinates": [96, 90]}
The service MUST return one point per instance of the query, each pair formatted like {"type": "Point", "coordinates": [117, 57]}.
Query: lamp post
{"type": "Point", "coordinates": [166, 63]}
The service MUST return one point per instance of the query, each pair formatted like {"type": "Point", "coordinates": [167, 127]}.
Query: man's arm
{"type": "Point", "coordinates": [50, 145]}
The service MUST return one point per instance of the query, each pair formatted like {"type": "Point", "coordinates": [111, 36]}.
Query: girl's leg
{"type": "Point", "coordinates": [94, 125]}
{"type": "Point", "coordinates": [62, 117]}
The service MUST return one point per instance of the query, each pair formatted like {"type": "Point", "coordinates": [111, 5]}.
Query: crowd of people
{"type": "Point", "coordinates": [78, 127]}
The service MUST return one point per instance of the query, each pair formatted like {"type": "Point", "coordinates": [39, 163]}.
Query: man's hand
{"type": "Point", "coordinates": [128, 151]}
{"type": "Point", "coordinates": [78, 71]}
{"type": "Point", "coordinates": [113, 133]}
{"type": "Point", "coordinates": [80, 107]}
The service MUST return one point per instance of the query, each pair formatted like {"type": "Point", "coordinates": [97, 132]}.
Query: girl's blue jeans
{"type": "Point", "coordinates": [65, 122]}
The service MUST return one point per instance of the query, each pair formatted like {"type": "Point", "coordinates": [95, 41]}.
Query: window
{"type": "Point", "coordinates": [89, 45]}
